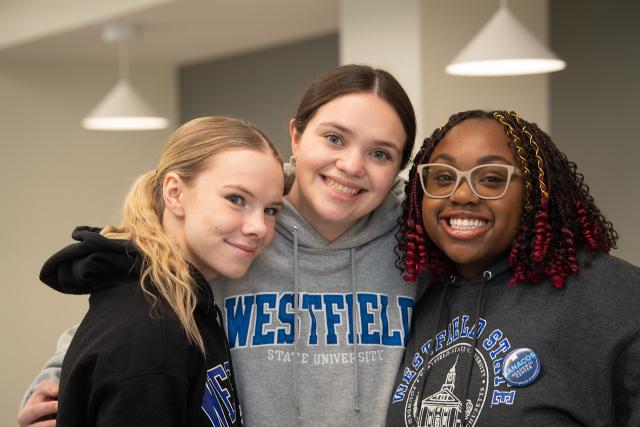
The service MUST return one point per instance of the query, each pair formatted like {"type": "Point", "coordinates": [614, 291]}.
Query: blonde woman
{"type": "Point", "coordinates": [151, 349]}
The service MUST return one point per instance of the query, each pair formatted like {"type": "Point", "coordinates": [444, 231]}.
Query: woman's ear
{"type": "Point", "coordinates": [173, 194]}
{"type": "Point", "coordinates": [295, 136]}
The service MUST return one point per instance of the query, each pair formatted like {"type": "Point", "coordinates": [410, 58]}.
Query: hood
{"type": "Point", "coordinates": [94, 263]}
{"type": "Point", "coordinates": [377, 223]}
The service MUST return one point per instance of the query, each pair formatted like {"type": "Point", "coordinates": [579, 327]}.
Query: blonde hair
{"type": "Point", "coordinates": [164, 270]}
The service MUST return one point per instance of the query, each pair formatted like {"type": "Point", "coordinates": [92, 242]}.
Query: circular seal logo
{"type": "Point", "coordinates": [437, 392]}
{"type": "Point", "coordinates": [521, 367]}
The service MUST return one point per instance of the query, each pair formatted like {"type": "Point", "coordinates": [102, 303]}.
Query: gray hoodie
{"type": "Point", "coordinates": [322, 376]}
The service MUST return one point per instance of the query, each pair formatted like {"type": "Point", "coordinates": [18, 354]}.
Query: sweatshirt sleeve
{"type": "Point", "coordinates": [153, 399]}
{"type": "Point", "coordinates": [626, 384]}
{"type": "Point", "coordinates": [51, 369]}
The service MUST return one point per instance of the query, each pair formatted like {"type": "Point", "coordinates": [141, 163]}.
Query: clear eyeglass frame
{"type": "Point", "coordinates": [511, 170]}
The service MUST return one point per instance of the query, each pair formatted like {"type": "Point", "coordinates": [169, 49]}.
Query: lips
{"type": "Point", "coordinates": [342, 188]}
{"type": "Point", "coordinates": [464, 226]}
{"type": "Point", "coordinates": [246, 250]}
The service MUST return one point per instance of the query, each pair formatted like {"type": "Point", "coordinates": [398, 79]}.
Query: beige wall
{"type": "Point", "coordinates": [55, 175]}
{"type": "Point", "coordinates": [388, 35]}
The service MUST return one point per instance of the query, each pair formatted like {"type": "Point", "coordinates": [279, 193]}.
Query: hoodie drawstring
{"type": "Point", "coordinates": [479, 309]}
{"type": "Point", "coordinates": [436, 322]}
{"type": "Point", "coordinates": [486, 276]}
{"type": "Point", "coordinates": [296, 332]}
{"type": "Point", "coordinates": [294, 231]}
{"type": "Point", "coordinates": [355, 330]}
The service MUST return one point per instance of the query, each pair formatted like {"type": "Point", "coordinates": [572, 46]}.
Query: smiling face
{"type": "Point", "coordinates": [346, 161]}
{"type": "Point", "coordinates": [226, 215]}
{"type": "Point", "coordinates": [471, 231]}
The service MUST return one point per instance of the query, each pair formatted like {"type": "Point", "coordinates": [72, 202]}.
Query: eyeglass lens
{"type": "Point", "coordinates": [486, 180]}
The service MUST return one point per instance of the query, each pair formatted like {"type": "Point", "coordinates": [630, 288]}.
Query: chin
{"type": "Point", "coordinates": [235, 273]}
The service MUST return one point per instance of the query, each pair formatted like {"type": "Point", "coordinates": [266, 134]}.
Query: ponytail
{"type": "Point", "coordinates": [164, 272]}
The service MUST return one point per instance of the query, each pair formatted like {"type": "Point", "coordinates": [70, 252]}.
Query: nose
{"type": "Point", "coordinates": [350, 162]}
{"type": "Point", "coordinates": [463, 194]}
{"type": "Point", "coordinates": [255, 224]}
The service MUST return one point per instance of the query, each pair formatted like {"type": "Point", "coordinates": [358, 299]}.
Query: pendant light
{"type": "Point", "coordinates": [504, 47]}
{"type": "Point", "coordinates": [122, 108]}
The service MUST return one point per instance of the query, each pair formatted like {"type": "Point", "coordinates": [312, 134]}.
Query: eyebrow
{"type": "Point", "coordinates": [480, 161]}
{"type": "Point", "coordinates": [348, 131]}
{"type": "Point", "coordinates": [242, 189]}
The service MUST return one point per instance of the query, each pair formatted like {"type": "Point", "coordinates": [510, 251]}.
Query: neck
{"type": "Point", "coordinates": [329, 230]}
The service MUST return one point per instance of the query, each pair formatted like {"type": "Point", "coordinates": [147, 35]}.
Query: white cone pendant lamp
{"type": "Point", "coordinates": [123, 108]}
{"type": "Point", "coordinates": [504, 47]}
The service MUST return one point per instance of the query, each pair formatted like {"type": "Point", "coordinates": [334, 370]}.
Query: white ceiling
{"type": "Point", "coordinates": [188, 31]}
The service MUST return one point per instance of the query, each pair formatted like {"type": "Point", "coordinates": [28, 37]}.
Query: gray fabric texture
{"type": "Point", "coordinates": [586, 337]}
{"type": "Point", "coordinates": [337, 381]}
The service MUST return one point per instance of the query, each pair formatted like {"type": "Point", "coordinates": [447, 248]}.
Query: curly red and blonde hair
{"type": "Point", "coordinates": [559, 216]}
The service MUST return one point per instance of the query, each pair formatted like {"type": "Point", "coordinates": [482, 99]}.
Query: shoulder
{"type": "Point", "coordinates": [609, 288]}
{"type": "Point", "coordinates": [129, 333]}
{"type": "Point", "coordinates": [608, 272]}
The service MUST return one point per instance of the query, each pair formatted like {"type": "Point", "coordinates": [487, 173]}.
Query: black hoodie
{"type": "Point", "coordinates": [586, 338]}
{"type": "Point", "coordinates": [128, 365]}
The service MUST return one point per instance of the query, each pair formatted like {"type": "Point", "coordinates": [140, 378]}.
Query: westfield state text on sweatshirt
{"type": "Point", "coordinates": [585, 340]}
{"type": "Point", "coordinates": [317, 329]}
{"type": "Point", "coordinates": [127, 365]}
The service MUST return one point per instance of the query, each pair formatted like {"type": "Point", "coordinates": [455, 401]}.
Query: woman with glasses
{"type": "Point", "coordinates": [527, 319]}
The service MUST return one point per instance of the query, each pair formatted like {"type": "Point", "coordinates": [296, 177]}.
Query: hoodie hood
{"type": "Point", "coordinates": [94, 263]}
{"type": "Point", "coordinates": [377, 223]}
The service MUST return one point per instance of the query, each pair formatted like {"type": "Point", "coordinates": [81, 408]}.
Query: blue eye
{"type": "Point", "coordinates": [271, 211]}
{"type": "Point", "coordinates": [380, 155]}
{"type": "Point", "coordinates": [236, 200]}
{"type": "Point", "coordinates": [334, 139]}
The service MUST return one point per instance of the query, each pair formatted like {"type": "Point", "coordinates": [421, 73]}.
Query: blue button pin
{"type": "Point", "coordinates": [521, 367]}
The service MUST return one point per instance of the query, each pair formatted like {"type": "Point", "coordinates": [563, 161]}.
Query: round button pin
{"type": "Point", "coordinates": [521, 367]}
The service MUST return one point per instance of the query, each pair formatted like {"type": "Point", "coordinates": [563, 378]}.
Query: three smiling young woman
{"type": "Point", "coordinates": [318, 325]}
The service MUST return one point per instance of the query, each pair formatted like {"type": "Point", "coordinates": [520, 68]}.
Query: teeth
{"type": "Point", "coordinates": [466, 224]}
{"type": "Point", "coordinates": [341, 188]}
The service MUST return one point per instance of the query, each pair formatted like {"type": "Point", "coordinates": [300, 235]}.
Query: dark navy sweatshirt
{"type": "Point", "coordinates": [583, 340]}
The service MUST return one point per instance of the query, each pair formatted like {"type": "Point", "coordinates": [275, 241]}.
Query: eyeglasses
{"type": "Point", "coordinates": [490, 181]}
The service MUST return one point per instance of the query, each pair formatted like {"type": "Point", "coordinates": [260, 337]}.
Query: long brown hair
{"type": "Point", "coordinates": [164, 270]}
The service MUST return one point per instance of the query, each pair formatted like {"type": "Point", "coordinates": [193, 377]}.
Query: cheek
{"type": "Point", "coordinates": [270, 233]}
{"type": "Point", "coordinates": [428, 207]}
{"type": "Point", "coordinates": [513, 212]}
{"type": "Point", "coordinates": [429, 216]}
{"type": "Point", "coordinates": [382, 180]}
